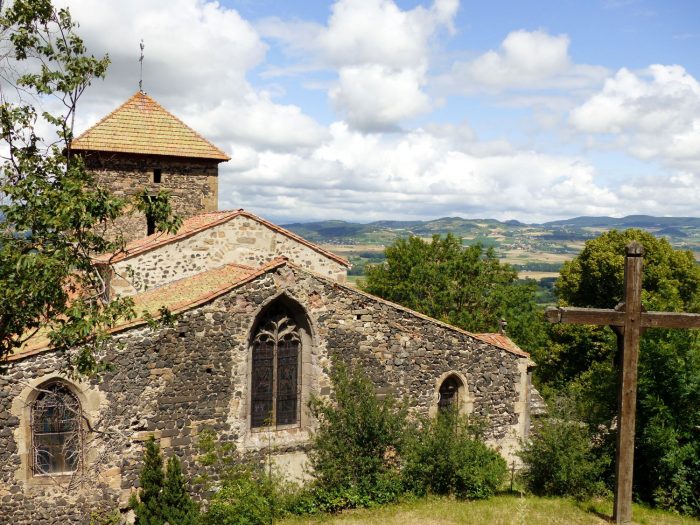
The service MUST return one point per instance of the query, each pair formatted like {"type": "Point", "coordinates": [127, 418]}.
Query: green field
{"type": "Point", "coordinates": [501, 510]}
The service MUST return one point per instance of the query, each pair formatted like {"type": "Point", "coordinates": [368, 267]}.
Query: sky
{"type": "Point", "coordinates": [364, 110]}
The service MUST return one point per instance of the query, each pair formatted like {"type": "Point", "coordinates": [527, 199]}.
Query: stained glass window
{"type": "Point", "coordinates": [56, 430]}
{"type": "Point", "coordinates": [449, 393]}
{"type": "Point", "coordinates": [275, 381]}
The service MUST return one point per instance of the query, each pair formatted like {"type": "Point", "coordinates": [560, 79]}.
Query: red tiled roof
{"type": "Point", "coordinates": [200, 223]}
{"type": "Point", "coordinates": [500, 340]}
{"type": "Point", "coordinates": [141, 125]}
{"type": "Point", "coordinates": [190, 292]}
{"type": "Point", "coordinates": [177, 296]}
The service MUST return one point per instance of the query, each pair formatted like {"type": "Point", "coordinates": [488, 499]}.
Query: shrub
{"type": "Point", "coordinates": [246, 497]}
{"type": "Point", "coordinates": [245, 491]}
{"type": "Point", "coordinates": [356, 449]}
{"type": "Point", "coordinates": [447, 457]}
{"type": "Point", "coordinates": [560, 460]}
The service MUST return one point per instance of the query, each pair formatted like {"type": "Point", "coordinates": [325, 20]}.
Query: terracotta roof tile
{"type": "Point", "coordinates": [177, 296]}
{"type": "Point", "coordinates": [200, 223]}
{"type": "Point", "coordinates": [141, 125]}
{"type": "Point", "coordinates": [500, 340]}
{"type": "Point", "coordinates": [190, 292]}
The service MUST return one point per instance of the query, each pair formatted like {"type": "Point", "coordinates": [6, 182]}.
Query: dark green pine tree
{"type": "Point", "coordinates": [148, 506]}
{"type": "Point", "coordinates": [178, 507]}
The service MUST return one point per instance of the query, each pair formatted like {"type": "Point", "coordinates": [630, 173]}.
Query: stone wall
{"type": "Point", "coordinates": [192, 183]}
{"type": "Point", "coordinates": [241, 240]}
{"type": "Point", "coordinates": [173, 382]}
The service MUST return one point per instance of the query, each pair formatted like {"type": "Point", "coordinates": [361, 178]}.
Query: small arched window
{"type": "Point", "coordinates": [56, 430]}
{"type": "Point", "coordinates": [275, 377]}
{"type": "Point", "coordinates": [449, 393]}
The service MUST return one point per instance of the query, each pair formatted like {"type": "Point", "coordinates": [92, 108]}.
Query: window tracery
{"type": "Point", "coordinates": [56, 431]}
{"type": "Point", "coordinates": [275, 375]}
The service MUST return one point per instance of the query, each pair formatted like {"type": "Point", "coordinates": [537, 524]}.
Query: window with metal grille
{"type": "Point", "coordinates": [449, 393]}
{"type": "Point", "coordinates": [275, 377]}
{"type": "Point", "coordinates": [56, 430]}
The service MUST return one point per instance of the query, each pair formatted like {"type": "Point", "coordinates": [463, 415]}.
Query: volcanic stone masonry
{"type": "Point", "coordinates": [173, 382]}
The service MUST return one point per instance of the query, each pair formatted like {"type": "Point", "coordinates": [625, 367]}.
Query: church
{"type": "Point", "coordinates": [261, 315]}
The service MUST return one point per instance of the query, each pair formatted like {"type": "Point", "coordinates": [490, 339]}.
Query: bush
{"type": "Point", "coordinates": [447, 457]}
{"type": "Point", "coordinates": [245, 491]}
{"type": "Point", "coordinates": [356, 449]}
{"type": "Point", "coordinates": [561, 460]}
{"type": "Point", "coordinates": [246, 497]}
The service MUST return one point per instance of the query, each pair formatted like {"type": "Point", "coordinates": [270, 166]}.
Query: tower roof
{"type": "Point", "coordinates": [141, 125]}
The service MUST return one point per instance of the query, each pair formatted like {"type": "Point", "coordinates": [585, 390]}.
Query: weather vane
{"type": "Point", "coordinates": [141, 67]}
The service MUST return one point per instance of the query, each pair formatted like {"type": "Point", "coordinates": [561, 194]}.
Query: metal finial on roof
{"type": "Point", "coordinates": [141, 67]}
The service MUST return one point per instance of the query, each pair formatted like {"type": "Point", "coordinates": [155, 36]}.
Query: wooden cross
{"type": "Point", "coordinates": [628, 320]}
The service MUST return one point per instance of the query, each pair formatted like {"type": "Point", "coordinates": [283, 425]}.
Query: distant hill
{"type": "Point", "coordinates": [538, 248]}
{"type": "Point", "coordinates": [631, 221]}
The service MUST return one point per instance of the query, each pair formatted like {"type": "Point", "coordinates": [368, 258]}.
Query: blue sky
{"type": "Point", "coordinates": [381, 109]}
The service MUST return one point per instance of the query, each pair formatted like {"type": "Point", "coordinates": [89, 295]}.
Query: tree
{"type": "Point", "coordinates": [594, 279]}
{"type": "Point", "coordinates": [467, 287]}
{"type": "Point", "coordinates": [50, 205]}
{"type": "Point", "coordinates": [355, 450]}
{"type": "Point", "coordinates": [162, 498]}
{"type": "Point", "coordinates": [148, 506]}
{"type": "Point", "coordinates": [667, 457]}
{"type": "Point", "coordinates": [179, 509]}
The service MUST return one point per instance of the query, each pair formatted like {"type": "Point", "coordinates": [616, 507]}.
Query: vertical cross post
{"type": "Point", "coordinates": [629, 321]}
{"type": "Point", "coordinates": [627, 394]}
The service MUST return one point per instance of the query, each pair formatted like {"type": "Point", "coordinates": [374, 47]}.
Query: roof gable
{"type": "Point", "coordinates": [143, 126]}
{"type": "Point", "coordinates": [200, 223]}
{"type": "Point", "coordinates": [191, 292]}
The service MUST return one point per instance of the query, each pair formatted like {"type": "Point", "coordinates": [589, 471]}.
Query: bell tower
{"type": "Point", "coordinates": [142, 145]}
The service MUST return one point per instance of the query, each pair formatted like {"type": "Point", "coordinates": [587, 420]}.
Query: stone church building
{"type": "Point", "coordinates": [261, 315]}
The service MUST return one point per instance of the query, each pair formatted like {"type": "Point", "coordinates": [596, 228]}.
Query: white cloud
{"type": "Point", "coordinates": [379, 51]}
{"type": "Point", "coordinates": [421, 174]}
{"type": "Point", "coordinates": [197, 57]}
{"type": "Point", "coordinates": [374, 97]}
{"type": "Point", "coordinates": [653, 114]}
{"type": "Point", "coordinates": [526, 59]}
{"type": "Point", "coordinates": [200, 57]}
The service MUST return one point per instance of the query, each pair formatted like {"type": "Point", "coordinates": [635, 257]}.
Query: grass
{"type": "Point", "coordinates": [501, 510]}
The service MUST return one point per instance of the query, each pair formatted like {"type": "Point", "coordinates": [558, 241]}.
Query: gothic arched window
{"type": "Point", "coordinates": [56, 430]}
{"type": "Point", "coordinates": [275, 376]}
{"type": "Point", "coordinates": [449, 393]}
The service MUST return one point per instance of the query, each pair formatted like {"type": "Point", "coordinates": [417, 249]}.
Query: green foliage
{"type": "Point", "coordinates": [667, 463]}
{"type": "Point", "coordinates": [245, 497]}
{"type": "Point", "coordinates": [467, 287]}
{"type": "Point", "coordinates": [106, 518]}
{"type": "Point", "coordinates": [560, 460]}
{"type": "Point", "coordinates": [355, 451]}
{"type": "Point", "coordinates": [162, 497]}
{"type": "Point", "coordinates": [595, 278]}
{"type": "Point", "coordinates": [179, 509]}
{"type": "Point", "coordinates": [158, 209]}
{"type": "Point", "coordinates": [52, 208]}
{"type": "Point", "coordinates": [244, 491]}
{"type": "Point", "coordinates": [448, 457]}
{"type": "Point", "coordinates": [148, 506]}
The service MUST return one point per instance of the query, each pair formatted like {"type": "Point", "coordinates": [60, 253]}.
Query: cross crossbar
{"type": "Point", "coordinates": [602, 316]}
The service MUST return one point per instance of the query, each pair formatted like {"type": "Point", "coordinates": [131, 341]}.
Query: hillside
{"type": "Point", "coordinates": [537, 250]}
